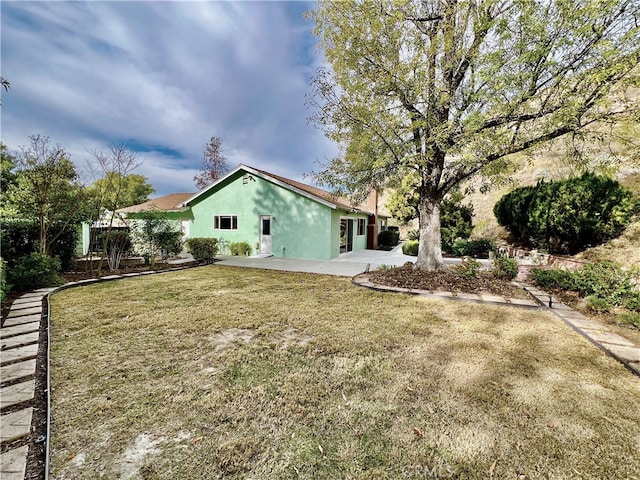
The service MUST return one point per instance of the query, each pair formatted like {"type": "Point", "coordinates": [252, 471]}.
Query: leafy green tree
{"type": "Point", "coordinates": [47, 188]}
{"type": "Point", "coordinates": [8, 177]}
{"type": "Point", "coordinates": [446, 90]}
{"type": "Point", "coordinates": [118, 190]}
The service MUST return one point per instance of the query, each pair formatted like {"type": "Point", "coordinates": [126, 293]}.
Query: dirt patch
{"type": "Point", "coordinates": [136, 454]}
{"type": "Point", "coordinates": [289, 338]}
{"type": "Point", "coordinates": [232, 336]}
{"type": "Point", "coordinates": [446, 281]}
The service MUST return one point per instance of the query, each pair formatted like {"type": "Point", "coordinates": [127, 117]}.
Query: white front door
{"type": "Point", "coordinates": [265, 234]}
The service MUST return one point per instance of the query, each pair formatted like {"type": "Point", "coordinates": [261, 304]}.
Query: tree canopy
{"type": "Point", "coordinates": [445, 90]}
{"type": "Point", "coordinates": [120, 190]}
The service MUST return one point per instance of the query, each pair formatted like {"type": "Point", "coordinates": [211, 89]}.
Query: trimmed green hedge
{"type": "Point", "coordinates": [389, 238]}
{"type": "Point", "coordinates": [203, 249]}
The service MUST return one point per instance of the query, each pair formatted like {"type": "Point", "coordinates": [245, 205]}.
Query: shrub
{"type": "Point", "coordinates": [5, 287]}
{"type": "Point", "coordinates": [203, 249]}
{"type": "Point", "coordinates": [479, 248]}
{"type": "Point", "coordinates": [389, 238]}
{"type": "Point", "coordinates": [153, 234]}
{"type": "Point", "coordinates": [632, 301]}
{"type": "Point", "coordinates": [469, 267]}
{"type": "Point", "coordinates": [414, 235]}
{"type": "Point", "coordinates": [552, 279]}
{"type": "Point", "coordinates": [569, 215]}
{"type": "Point", "coordinates": [20, 238]}
{"type": "Point", "coordinates": [632, 318]}
{"type": "Point", "coordinates": [597, 304]}
{"type": "Point", "coordinates": [605, 280]}
{"type": "Point", "coordinates": [456, 221]}
{"type": "Point", "coordinates": [34, 271]}
{"type": "Point", "coordinates": [242, 249]}
{"type": "Point", "coordinates": [505, 268]}
{"type": "Point", "coordinates": [411, 248]}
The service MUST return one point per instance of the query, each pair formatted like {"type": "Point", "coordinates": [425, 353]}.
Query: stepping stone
{"type": "Point", "coordinates": [628, 354]}
{"type": "Point", "coordinates": [24, 339]}
{"type": "Point", "coordinates": [15, 425]}
{"type": "Point", "coordinates": [492, 298]}
{"type": "Point", "coordinates": [13, 464]}
{"type": "Point", "coordinates": [18, 393]}
{"type": "Point", "coordinates": [523, 302]}
{"type": "Point", "coordinates": [572, 314]}
{"type": "Point", "coordinates": [10, 322]}
{"type": "Point", "coordinates": [25, 311]}
{"type": "Point", "coordinates": [23, 300]}
{"type": "Point", "coordinates": [468, 296]}
{"type": "Point", "coordinates": [17, 370]}
{"type": "Point", "coordinates": [31, 295]}
{"type": "Point", "coordinates": [607, 338]}
{"type": "Point", "coordinates": [556, 305]}
{"type": "Point", "coordinates": [23, 305]}
{"type": "Point", "coordinates": [44, 291]}
{"type": "Point", "coordinates": [19, 329]}
{"type": "Point", "coordinates": [582, 322]}
{"type": "Point", "coordinates": [20, 353]}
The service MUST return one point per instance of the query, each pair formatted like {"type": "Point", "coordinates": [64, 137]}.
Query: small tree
{"type": "Point", "coordinates": [110, 192]}
{"type": "Point", "coordinates": [154, 235]}
{"type": "Point", "coordinates": [118, 245]}
{"type": "Point", "coordinates": [47, 189]}
{"type": "Point", "coordinates": [214, 164]}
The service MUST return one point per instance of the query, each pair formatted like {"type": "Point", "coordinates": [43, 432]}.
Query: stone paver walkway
{"type": "Point", "coordinates": [19, 337]}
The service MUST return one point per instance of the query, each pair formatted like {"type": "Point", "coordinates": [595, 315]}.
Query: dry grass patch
{"type": "Point", "coordinates": [237, 373]}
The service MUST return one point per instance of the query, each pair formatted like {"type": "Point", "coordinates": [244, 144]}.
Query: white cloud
{"type": "Point", "coordinates": [167, 76]}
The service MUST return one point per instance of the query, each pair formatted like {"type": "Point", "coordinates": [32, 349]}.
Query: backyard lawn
{"type": "Point", "coordinates": [221, 372]}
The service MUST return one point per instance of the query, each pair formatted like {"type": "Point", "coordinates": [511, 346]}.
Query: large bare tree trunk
{"type": "Point", "coordinates": [430, 248]}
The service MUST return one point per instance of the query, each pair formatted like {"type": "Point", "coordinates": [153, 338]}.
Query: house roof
{"type": "Point", "coordinates": [317, 194]}
{"type": "Point", "coordinates": [169, 203]}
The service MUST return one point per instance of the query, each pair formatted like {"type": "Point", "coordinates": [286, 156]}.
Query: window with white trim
{"type": "Point", "coordinates": [225, 222]}
{"type": "Point", "coordinates": [361, 226]}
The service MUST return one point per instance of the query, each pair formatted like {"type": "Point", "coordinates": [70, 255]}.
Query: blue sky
{"type": "Point", "coordinates": [163, 77]}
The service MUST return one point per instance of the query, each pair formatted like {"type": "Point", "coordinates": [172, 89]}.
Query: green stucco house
{"type": "Point", "coordinates": [281, 217]}
{"type": "Point", "coordinates": [275, 215]}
